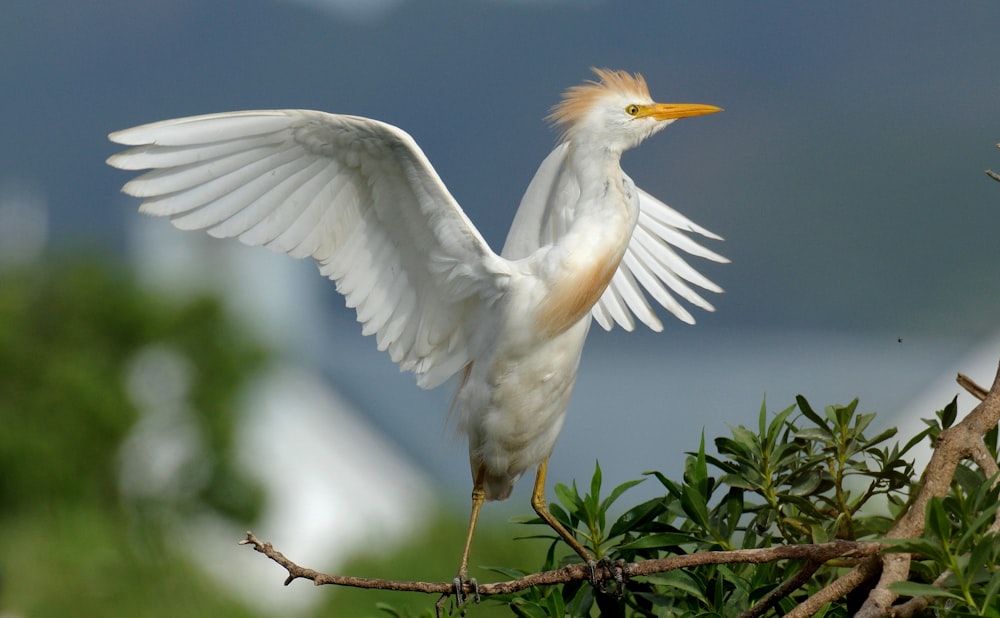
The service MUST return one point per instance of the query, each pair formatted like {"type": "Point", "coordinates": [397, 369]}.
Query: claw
{"type": "Point", "coordinates": [459, 586]}
{"type": "Point", "coordinates": [592, 565]}
{"type": "Point", "coordinates": [620, 571]}
{"type": "Point", "coordinates": [617, 569]}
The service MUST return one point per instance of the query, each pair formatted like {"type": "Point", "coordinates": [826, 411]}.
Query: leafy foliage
{"type": "Point", "coordinates": [800, 476]}
{"type": "Point", "coordinates": [70, 542]}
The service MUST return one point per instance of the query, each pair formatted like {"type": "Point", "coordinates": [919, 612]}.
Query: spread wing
{"type": "Point", "coordinates": [653, 263]}
{"type": "Point", "coordinates": [356, 195]}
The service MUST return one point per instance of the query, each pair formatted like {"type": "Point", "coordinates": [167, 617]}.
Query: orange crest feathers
{"type": "Point", "coordinates": [578, 99]}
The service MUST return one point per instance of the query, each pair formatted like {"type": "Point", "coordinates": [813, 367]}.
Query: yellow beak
{"type": "Point", "coordinates": [669, 111]}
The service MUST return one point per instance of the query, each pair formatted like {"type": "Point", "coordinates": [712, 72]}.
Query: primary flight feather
{"type": "Point", "coordinates": [359, 197]}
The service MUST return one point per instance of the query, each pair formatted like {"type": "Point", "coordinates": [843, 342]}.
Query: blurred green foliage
{"type": "Point", "coordinates": [70, 542]}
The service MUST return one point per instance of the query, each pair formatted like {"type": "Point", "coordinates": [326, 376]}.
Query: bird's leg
{"type": "Point", "coordinates": [618, 570]}
{"type": "Point", "coordinates": [478, 496]}
{"type": "Point", "coordinates": [542, 508]}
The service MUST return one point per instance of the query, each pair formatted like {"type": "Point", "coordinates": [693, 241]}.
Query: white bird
{"type": "Point", "coordinates": [359, 197]}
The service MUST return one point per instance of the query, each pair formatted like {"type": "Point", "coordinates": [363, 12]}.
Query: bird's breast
{"type": "Point", "coordinates": [575, 292]}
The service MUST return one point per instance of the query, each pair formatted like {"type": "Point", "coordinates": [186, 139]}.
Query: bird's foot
{"type": "Point", "coordinates": [616, 570]}
{"type": "Point", "coordinates": [459, 584]}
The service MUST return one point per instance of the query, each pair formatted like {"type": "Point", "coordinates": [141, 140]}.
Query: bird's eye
{"type": "Point", "coordinates": [632, 110]}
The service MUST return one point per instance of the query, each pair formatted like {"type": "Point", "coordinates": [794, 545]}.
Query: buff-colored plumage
{"type": "Point", "coordinates": [361, 199]}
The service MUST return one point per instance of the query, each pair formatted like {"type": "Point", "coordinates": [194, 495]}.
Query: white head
{"type": "Point", "coordinates": [617, 112]}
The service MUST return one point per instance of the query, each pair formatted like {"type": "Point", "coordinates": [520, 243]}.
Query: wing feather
{"type": "Point", "coordinates": [355, 194]}
{"type": "Point", "coordinates": [651, 265]}
{"type": "Point", "coordinates": [159, 156]}
{"type": "Point", "coordinates": [602, 316]}
{"type": "Point", "coordinates": [615, 306]}
{"type": "Point", "coordinates": [207, 129]}
{"type": "Point", "coordinates": [634, 300]}
{"type": "Point", "coordinates": [280, 219]}
{"type": "Point", "coordinates": [660, 211]}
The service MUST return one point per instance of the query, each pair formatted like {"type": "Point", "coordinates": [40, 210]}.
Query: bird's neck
{"type": "Point", "coordinates": [580, 265]}
{"type": "Point", "coordinates": [604, 192]}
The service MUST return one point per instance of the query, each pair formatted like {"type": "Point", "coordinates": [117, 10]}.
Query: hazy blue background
{"type": "Point", "coordinates": [846, 175]}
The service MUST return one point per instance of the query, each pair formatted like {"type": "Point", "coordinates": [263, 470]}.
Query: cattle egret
{"type": "Point", "coordinates": [359, 197]}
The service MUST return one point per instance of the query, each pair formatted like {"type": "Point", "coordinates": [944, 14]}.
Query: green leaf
{"type": "Point", "coordinates": [731, 448]}
{"type": "Point", "coordinates": [819, 434]}
{"type": "Point", "coordinates": [695, 506]}
{"type": "Point", "coordinates": [915, 440]}
{"type": "Point", "coordinates": [949, 413]}
{"type": "Point", "coordinates": [776, 425]}
{"type": "Point", "coordinates": [595, 489]}
{"type": "Point", "coordinates": [678, 580]}
{"type": "Point", "coordinates": [992, 590]}
{"type": "Point", "coordinates": [914, 589]}
{"type": "Point", "coordinates": [882, 437]}
{"type": "Point", "coordinates": [568, 497]}
{"type": "Point", "coordinates": [659, 540]}
{"type": "Point", "coordinates": [861, 422]}
{"type": "Point", "coordinates": [523, 608]}
{"type": "Point", "coordinates": [810, 414]}
{"type": "Point", "coordinates": [842, 414]}
{"type": "Point", "coordinates": [554, 604]}
{"type": "Point", "coordinates": [506, 572]}
{"type": "Point", "coordinates": [938, 524]}
{"type": "Point", "coordinates": [927, 548]}
{"type": "Point", "coordinates": [978, 558]}
{"type": "Point", "coordinates": [562, 516]}
{"type": "Point", "coordinates": [389, 609]}
{"type": "Point", "coordinates": [973, 529]}
{"type": "Point", "coordinates": [637, 516]}
{"type": "Point", "coordinates": [749, 441]}
{"type": "Point", "coordinates": [670, 486]}
{"type": "Point", "coordinates": [806, 484]}
{"type": "Point", "coordinates": [696, 468]}
{"type": "Point", "coordinates": [618, 491]}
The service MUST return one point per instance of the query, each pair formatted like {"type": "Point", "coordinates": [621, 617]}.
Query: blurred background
{"type": "Point", "coordinates": [161, 391]}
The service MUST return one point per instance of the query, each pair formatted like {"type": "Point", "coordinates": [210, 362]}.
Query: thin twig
{"type": "Point", "coordinates": [788, 587]}
{"type": "Point", "coordinates": [818, 553]}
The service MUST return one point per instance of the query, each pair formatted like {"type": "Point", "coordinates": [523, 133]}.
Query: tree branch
{"type": "Point", "coordinates": [954, 444]}
{"type": "Point", "coordinates": [968, 384]}
{"type": "Point", "coordinates": [993, 174]}
{"type": "Point", "coordinates": [839, 588]}
{"type": "Point", "coordinates": [817, 554]}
